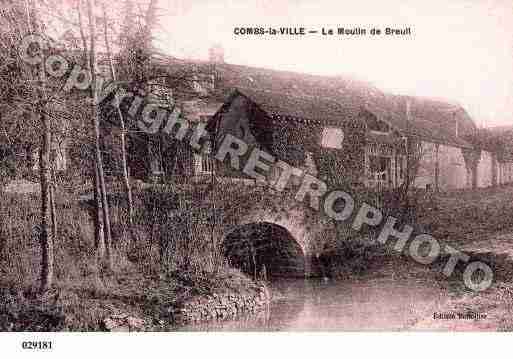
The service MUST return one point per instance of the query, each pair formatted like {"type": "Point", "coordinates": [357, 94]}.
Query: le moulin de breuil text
{"type": "Point", "coordinates": [324, 31]}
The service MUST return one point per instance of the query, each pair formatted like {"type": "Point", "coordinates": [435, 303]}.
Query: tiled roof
{"type": "Point", "coordinates": [315, 109]}
{"type": "Point", "coordinates": [337, 98]}
{"type": "Point", "coordinates": [431, 120]}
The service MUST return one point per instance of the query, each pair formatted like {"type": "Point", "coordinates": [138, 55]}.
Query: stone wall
{"type": "Point", "coordinates": [222, 306]}
{"type": "Point", "coordinates": [426, 171]}
{"type": "Point", "coordinates": [505, 172]}
{"type": "Point", "coordinates": [484, 170]}
{"type": "Point", "coordinates": [453, 173]}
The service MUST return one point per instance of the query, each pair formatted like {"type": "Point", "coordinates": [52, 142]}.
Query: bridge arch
{"type": "Point", "coordinates": [264, 249]}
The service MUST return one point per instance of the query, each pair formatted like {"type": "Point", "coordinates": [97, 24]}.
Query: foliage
{"type": "Point", "coordinates": [173, 255]}
{"type": "Point", "coordinates": [496, 142]}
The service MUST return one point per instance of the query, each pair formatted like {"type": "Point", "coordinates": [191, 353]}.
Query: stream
{"type": "Point", "coordinates": [373, 302]}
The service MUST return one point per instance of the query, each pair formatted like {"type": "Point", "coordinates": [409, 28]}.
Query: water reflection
{"type": "Point", "coordinates": [306, 305]}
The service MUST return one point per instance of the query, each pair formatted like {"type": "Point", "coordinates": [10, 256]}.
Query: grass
{"type": "Point", "coordinates": [465, 219]}
{"type": "Point", "coordinates": [174, 258]}
{"type": "Point", "coordinates": [464, 216]}
{"type": "Point", "coordinates": [474, 219]}
{"type": "Point", "coordinates": [456, 218]}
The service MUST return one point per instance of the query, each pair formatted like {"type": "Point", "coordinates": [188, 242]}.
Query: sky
{"type": "Point", "coordinates": [459, 50]}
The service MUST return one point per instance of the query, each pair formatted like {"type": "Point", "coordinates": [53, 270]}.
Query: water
{"type": "Point", "coordinates": [376, 302]}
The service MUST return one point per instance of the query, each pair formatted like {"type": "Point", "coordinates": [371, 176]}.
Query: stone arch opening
{"type": "Point", "coordinates": [264, 250]}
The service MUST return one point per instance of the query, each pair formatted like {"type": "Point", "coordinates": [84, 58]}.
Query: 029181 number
{"type": "Point", "coordinates": [37, 345]}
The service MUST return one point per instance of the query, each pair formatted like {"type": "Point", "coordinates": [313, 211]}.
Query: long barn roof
{"type": "Point", "coordinates": [338, 98]}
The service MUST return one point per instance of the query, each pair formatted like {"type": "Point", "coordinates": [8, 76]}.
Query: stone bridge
{"type": "Point", "coordinates": [262, 227]}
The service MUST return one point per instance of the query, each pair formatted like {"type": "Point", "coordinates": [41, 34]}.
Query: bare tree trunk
{"type": "Point", "coordinates": [97, 148]}
{"type": "Point", "coordinates": [53, 208]}
{"type": "Point", "coordinates": [46, 235]}
{"type": "Point", "coordinates": [126, 178]}
{"type": "Point", "coordinates": [437, 167]}
{"type": "Point", "coordinates": [99, 238]}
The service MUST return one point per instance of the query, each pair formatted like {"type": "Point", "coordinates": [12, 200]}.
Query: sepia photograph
{"type": "Point", "coordinates": [320, 169]}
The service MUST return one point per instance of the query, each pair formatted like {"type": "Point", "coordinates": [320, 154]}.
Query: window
{"type": "Point", "coordinates": [207, 164]}
{"type": "Point", "coordinates": [380, 171]}
{"type": "Point", "coordinates": [401, 167]}
{"type": "Point", "coordinates": [332, 137]}
{"type": "Point", "coordinates": [378, 163]}
{"type": "Point", "coordinates": [204, 164]}
{"type": "Point", "coordinates": [376, 125]}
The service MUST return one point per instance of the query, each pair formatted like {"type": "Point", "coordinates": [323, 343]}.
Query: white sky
{"type": "Point", "coordinates": [461, 50]}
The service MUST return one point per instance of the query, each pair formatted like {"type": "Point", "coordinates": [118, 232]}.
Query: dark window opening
{"type": "Point", "coordinates": [376, 125]}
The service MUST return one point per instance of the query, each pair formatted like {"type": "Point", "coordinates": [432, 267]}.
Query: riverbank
{"type": "Point", "coordinates": [174, 264]}
{"type": "Point", "coordinates": [169, 260]}
{"type": "Point", "coordinates": [394, 294]}
{"type": "Point", "coordinates": [130, 301]}
{"type": "Point", "coordinates": [478, 223]}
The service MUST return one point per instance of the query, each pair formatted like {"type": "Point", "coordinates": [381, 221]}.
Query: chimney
{"type": "Point", "coordinates": [216, 54]}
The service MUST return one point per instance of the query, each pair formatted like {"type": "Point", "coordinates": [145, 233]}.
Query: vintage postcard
{"type": "Point", "coordinates": [255, 166]}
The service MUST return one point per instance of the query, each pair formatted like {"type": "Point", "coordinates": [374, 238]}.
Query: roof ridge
{"type": "Point", "coordinates": [326, 99]}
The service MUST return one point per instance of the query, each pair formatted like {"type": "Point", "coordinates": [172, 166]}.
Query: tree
{"type": "Point", "coordinates": [103, 236]}
{"type": "Point", "coordinates": [124, 165]}
{"type": "Point", "coordinates": [99, 172]}
{"type": "Point", "coordinates": [26, 93]}
{"type": "Point", "coordinates": [414, 151]}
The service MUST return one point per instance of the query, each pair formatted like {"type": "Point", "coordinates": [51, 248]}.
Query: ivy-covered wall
{"type": "Point", "coordinates": [292, 140]}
